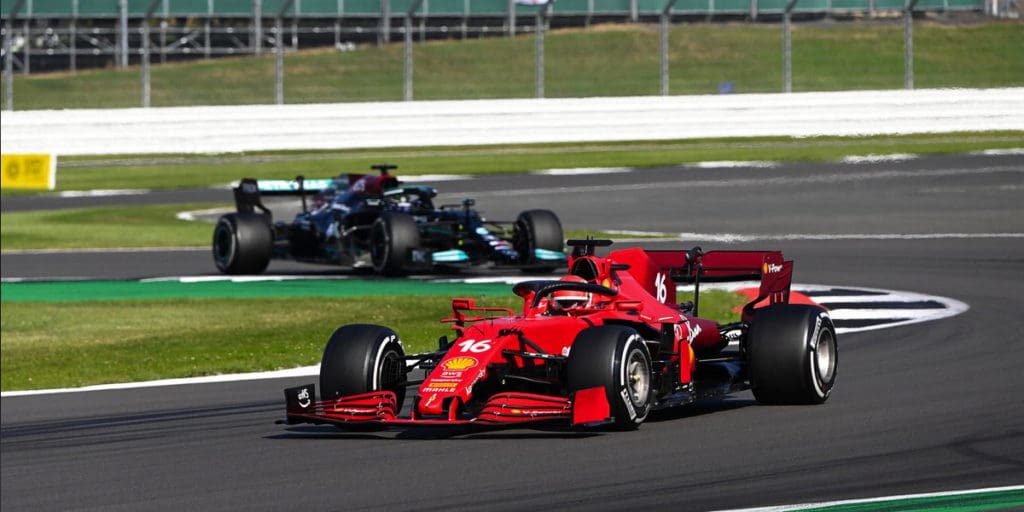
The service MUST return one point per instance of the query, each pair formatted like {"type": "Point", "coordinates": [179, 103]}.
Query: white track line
{"type": "Point", "coordinates": [291, 372]}
{"type": "Point", "coordinates": [804, 506]}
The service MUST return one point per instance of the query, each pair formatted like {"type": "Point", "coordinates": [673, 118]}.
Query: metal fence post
{"type": "Point", "coordinates": [542, 14]}
{"type": "Point", "coordinates": [8, 58]}
{"type": "Point", "coordinates": [145, 53]}
{"type": "Point", "coordinates": [511, 18]}
{"type": "Point", "coordinates": [73, 37]}
{"type": "Point", "coordinates": [787, 50]}
{"type": "Point", "coordinates": [407, 50]}
{"type": "Point", "coordinates": [279, 54]}
{"type": "Point", "coordinates": [257, 27]}
{"type": "Point", "coordinates": [122, 32]}
{"type": "Point", "coordinates": [385, 22]}
{"type": "Point", "coordinates": [908, 44]}
{"type": "Point", "coordinates": [666, 15]}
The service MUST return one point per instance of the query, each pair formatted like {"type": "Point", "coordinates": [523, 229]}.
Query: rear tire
{"type": "Point", "coordinates": [360, 358]}
{"type": "Point", "coordinates": [614, 357]}
{"type": "Point", "coordinates": [793, 354]}
{"type": "Point", "coordinates": [537, 229]}
{"type": "Point", "coordinates": [392, 239]}
{"type": "Point", "coordinates": [242, 243]}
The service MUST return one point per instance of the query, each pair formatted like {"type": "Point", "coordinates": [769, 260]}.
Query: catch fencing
{"type": "Point", "coordinates": [77, 33]}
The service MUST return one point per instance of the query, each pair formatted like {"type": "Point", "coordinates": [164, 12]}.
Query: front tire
{"type": "Point", "coordinates": [537, 229]}
{"type": "Point", "coordinates": [392, 239]}
{"type": "Point", "coordinates": [360, 358]}
{"type": "Point", "coordinates": [793, 354]}
{"type": "Point", "coordinates": [242, 243]}
{"type": "Point", "coordinates": [614, 357]}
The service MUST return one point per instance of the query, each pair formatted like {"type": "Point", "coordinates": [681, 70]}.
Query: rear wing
{"type": "Point", "coordinates": [249, 191]}
{"type": "Point", "coordinates": [695, 266]}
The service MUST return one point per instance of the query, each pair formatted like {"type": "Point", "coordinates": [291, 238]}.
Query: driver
{"type": "Point", "coordinates": [563, 301]}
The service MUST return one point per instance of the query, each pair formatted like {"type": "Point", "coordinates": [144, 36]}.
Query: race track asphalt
{"type": "Point", "coordinates": [921, 408]}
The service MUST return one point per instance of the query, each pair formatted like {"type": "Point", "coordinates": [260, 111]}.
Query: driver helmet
{"type": "Point", "coordinates": [570, 299]}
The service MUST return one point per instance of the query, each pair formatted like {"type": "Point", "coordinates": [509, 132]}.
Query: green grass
{"type": "Point", "coordinates": [609, 60]}
{"type": "Point", "coordinates": [105, 227]}
{"type": "Point", "coordinates": [184, 171]}
{"type": "Point", "coordinates": [72, 344]}
{"type": "Point", "coordinates": [134, 227]}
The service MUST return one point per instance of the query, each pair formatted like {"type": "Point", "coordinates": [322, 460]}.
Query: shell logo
{"type": "Point", "coordinates": [459, 363]}
{"type": "Point", "coordinates": [764, 268]}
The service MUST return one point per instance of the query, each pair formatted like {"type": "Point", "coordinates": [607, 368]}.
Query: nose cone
{"type": "Point", "coordinates": [454, 377]}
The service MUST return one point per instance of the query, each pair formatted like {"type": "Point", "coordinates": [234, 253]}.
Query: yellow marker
{"type": "Point", "coordinates": [37, 172]}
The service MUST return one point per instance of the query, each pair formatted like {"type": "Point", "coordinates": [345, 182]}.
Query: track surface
{"type": "Point", "coordinates": [921, 408]}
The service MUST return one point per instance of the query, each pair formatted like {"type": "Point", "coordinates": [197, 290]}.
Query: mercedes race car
{"type": "Point", "coordinates": [377, 222]}
{"type": "Point", "coordinates": [603, 346]}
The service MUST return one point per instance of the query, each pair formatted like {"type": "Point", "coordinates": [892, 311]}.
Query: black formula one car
{"type": "Point", "coordinates": [374, 221]}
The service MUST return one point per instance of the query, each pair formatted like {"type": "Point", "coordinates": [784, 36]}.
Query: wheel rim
{"type": "Point", "coordinates": [392, 371]}
{"type": "Point", "coordinates": [825, 357]}
{"type": "Point", "coordinates": [223, 244]}
{"type": "Point", "coordinates": [379, 246]}
{"type": "Point", "coordinates": [638, 378]}
{"type": "Point", "coordinates": [522, 241]}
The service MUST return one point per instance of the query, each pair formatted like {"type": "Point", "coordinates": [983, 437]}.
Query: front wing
{"type": "Point", "coordinates": [587, 407]}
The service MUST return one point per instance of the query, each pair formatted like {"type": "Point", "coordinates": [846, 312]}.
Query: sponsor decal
{"type": "Point", "coordinates": [817, 331]}
{"type": "Point", "coordinates": [33, 171]}
{"type": "Point", "coordinates": [440, 387]}
{"type": "Point", "coordinates": [770, 268]}
{"type": "Point", "coordinates": [692, 335]}
{"type": "Point", "coordinates": [304, 399]}
{"type": "Point", "coordinates": [629, 404]}
{"type": "Point", "coordinates": [430, 400]}
{"type": "Point", "coordinates": [459, 363]}
{"type": "Point", "coordinates": [479, 375]}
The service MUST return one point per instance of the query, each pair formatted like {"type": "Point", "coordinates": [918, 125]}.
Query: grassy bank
{"type": "Point", "coordinates": [609, 60]}
{"type": "Point", "coordinates": [71, 344]}
{"type": "Point", "coordinates": [185, 171]}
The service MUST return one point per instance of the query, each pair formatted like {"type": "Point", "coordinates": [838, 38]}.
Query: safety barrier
{"type": "Point", "coordinates": [440, 123]}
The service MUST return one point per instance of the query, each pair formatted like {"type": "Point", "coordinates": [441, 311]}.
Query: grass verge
{"type": "Point", "coordinates": [134, 227]}
{"type": "Point", "coordinates": [187, 171]}
{"type": "Point", "coordinates": [105, 227]}
{"type": "Point", "coordinates": [73, 344]}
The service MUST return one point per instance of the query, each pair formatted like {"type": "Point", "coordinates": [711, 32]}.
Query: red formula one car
{"type": "Point", "coordinates": [604, 345]}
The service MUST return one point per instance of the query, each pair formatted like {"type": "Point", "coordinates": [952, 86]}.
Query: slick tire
{"type": "Point", "coordinates": [793, 354]}
{"type": "Point", "coordinates": [360, 358]}
{"type": "Point", "coordinates": [392, 239]}
{"type": "Point", "coordinates": [242, 243]}
{"type": "Point", "coordinates": [614, 357]}
{"type": "Point", "coordinates": [537, 229]}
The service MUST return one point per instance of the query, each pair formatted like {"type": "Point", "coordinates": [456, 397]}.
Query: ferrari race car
{"type": "Point", "coordinates": [376, 221]}
{"type": "Point", "coordinates": [603, 346]}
